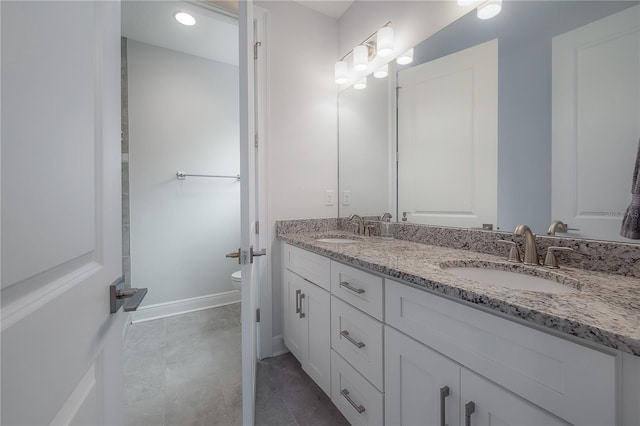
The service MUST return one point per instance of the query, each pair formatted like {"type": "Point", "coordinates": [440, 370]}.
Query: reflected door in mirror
{"type": "Point", "coordinates": [596, 126]}
{"type": "Point", "coordinates": [447, 139]}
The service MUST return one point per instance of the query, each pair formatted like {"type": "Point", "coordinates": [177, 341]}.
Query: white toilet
{"type": "Point", "coordinates": [236, 279]}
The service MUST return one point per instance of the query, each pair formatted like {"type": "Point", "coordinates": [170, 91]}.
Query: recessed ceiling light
{"type": "Point", "coordinates": [184, 18]}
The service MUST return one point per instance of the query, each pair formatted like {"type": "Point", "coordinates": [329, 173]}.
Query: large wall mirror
{"type": "Point", "coordinates": [529, 117]}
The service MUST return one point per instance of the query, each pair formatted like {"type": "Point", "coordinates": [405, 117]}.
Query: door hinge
{"type": "Point", "coordinates": [255, 49]}
{"type": "Point", "coordinates": [257, 227]}
{"type": "Point", "coordinates": [258, 315]}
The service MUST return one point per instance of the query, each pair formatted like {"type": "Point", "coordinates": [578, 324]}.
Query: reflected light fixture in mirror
{"type": "Point", "coordinates": [489, 9]}
{"type": "Point", "coordinates": [342, 72]}
{"type": "Point", "coordinates": [381, 72]}
{"type": "Point", "coordinates": [360, 58]}
{"type": "Point", "coordinates": [406, 57]}
{"type": "Point", "coordinates": [384, 42]}
{"type": "Point", "coordinates": [184, 18]}
{"type": "Point", "coordinates": [361, 84]}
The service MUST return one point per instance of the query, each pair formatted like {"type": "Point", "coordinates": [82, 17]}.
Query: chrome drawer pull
{"type": "Point", "coordinates": [302, 315]}
{"type": "Point", "coordinates": [359, 408]}
{"type": "Point", "coordinates": [345, 334]}
{"type": "Point", "coordinates": [444, 392]}
{"type": "Point", "coordinates": [469, 409]}
{"type": "Point", "coordinates": [298, 308]}
{"type": "Point", "coordinates": [349, 287]}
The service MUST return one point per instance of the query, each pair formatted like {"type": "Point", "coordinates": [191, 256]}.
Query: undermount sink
{"type": "Point", "coordinates": [518, 277]}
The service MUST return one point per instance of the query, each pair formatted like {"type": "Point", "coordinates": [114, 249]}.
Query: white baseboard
{"type": "Point", "coordinates": [169, 309]}
{"type": "Point", "coordinates": [277, 343]}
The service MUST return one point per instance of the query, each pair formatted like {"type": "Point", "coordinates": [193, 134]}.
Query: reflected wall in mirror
{"type": "Point", "coordinates": [600, 105]}
{"type": "Point", "coordinates": [366, 150]}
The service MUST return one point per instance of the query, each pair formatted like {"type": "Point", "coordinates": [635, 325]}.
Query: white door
{"type": "Point", "coordinates": [61, 213]}
{"type": "Point", "coordinates": [448, 139]}
{"type": "Point", "coordinates": [250, 172]}
{"type": "Point", "coordinates": [596, 105]}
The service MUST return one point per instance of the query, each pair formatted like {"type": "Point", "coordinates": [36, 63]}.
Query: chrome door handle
{"type": "Point", "coordinates": [298, 301]}
{"type": "Point", "coordinates": [345, 334]}
{"type": "Point", "coordinates": [252, 254]}
{"type": "Point", "coordinates": [444, 392]}
{"type": "Point", "coordinates": [359, 408]}
{"type": "Point", "coordinates": [302, 315]}
{"type": "Point", "coordinates": [469, 409]}
{"type": "Point", "coordinates": [350, 287]}
{"type": "Point", "coordinates": [118, 294]}
{"type": "Point", "coordinates": [235, 255]}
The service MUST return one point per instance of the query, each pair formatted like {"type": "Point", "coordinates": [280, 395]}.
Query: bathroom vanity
{"type": "Point", "coordinates": [394, 338]}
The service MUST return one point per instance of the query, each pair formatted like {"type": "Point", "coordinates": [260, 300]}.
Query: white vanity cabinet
{"type": "Point", "coordinates": [424, 387]}
{"type": "Point", "coordinates": [547, 373]}
{"type": "Point", "coordinates": [307, 313]}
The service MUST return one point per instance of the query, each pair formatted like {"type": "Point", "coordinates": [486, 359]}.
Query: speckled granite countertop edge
{"type": "Point", "coordinates": [615, 331]}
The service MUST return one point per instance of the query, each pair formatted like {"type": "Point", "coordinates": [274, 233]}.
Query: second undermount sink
{"type": "Point", "coordinates": [517, 277]}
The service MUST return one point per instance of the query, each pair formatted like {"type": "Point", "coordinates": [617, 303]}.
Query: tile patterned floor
{"type": "Point", "coordinates": [186, 370]}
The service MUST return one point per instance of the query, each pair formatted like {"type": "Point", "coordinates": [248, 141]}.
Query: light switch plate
{"type": "Point", "coordinates": [329, 196]}
{"type": "Point", "coordinates": [346, 197]}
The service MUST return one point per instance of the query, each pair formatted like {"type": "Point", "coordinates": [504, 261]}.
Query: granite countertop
{"type": "Point", "coordinates": [605, 310]}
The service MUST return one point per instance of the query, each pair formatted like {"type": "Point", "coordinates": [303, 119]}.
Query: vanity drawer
{"type": "Point", "coordinates": [358, 338]}
{"type": "Point", "coordinates": [571, 381]}
{"type": "Point", "coordinates": [310, 266]}
{"type": "Point", "coordinates": [362, 290]}
{"type": "Point", "coordinates": [357, 399]}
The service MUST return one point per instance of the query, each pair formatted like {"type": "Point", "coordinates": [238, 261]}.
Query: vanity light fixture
{"type": "Point", "coordinates": [342, 72]}
{"type": "Point", "coordinates": [184, 18]}
{"type": "Point", "coordinates": [378, 44]}
{"type": "Point", "coordinates": [489, 9]}
{"type": "Point", "coordinates": [362, 84]}
{"type": "Point", "coordinates": [360, 57]}
{"type": "Point", "coordinates": [406, 57]}
{"type": "Point", "coordinates": [381, 72]}
{"type": "Point", "coordinates": [384, 42]}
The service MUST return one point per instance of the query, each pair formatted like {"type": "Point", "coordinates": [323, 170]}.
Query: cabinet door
{"type": "Point", "coordinates": [494, 405]}
{"type": "Point", "coordinates": [295, 326]}
{"type": "Point", "coordinates": [315, 308]}
{"type": "Point", "coordinates": [416, 378]}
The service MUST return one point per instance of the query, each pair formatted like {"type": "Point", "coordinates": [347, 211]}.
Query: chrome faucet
{"type": "Point", "coordinates": [530, 250]}
{"type": "Point", "coordinates": [359, 223]}
{"type": "Point", "coordinates": [557, 226]}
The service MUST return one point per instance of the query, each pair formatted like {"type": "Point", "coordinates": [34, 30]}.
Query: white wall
{"type": "Point", "coordinates": [183, 115]}
{"type": "Point", "coordinates": [302, 120]}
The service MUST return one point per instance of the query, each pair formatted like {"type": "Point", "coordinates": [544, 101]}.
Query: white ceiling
{"type": "Point", "coordinates": [332, 8]}
{"type": "Point", "coordinates": [214, 36]}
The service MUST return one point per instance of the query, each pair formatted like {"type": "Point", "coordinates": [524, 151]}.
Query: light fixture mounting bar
{"type": "Point", "coordinates": [370, 42]}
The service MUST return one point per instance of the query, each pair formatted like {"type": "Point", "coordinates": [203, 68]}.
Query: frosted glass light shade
{"type": "Point", "coordinates": [184, 18]}
{"type": "Point", "coordinates": [405, 58]}
{"type": "Point", "coordinates": [381, 72]}
{"type": "Point", "coordinates": [384, 42]}
{"type": "Point", "coordinates": [362, 84]}
{"type": "Point", "coordinates": [360, 58]}
{"type": "Point", "coordinates": [489, 9]}
{"type": "Point", "coordinates": [341, 72]}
